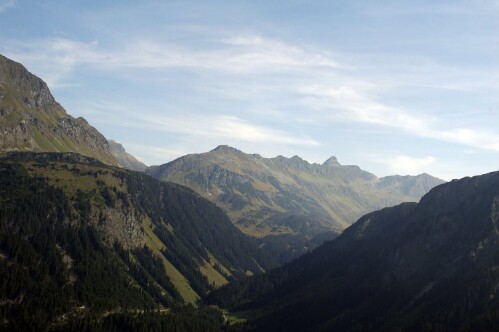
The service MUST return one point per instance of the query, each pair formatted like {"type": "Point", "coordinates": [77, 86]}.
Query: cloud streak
{"type": "Point", "coordinates": [226, 127]}
{"type": "Point", "coordinates": [223, 127]}
{"type": "Point", "coordinates": [240, 54]}
{"type": "Point", "coordinates": [348, 104]}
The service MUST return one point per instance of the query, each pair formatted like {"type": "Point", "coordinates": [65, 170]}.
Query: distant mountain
{"type": "Point", "coordinates": [431, 266]}
{"type": "Point", "coordinates": [273, 196]}
{"type": "Point", "coordinates": [125, 159]}
{"type": "Point", "coordinates": [79, 239]}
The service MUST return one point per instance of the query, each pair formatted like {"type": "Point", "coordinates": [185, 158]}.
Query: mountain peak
{"type": "Point", "coordinates": [32, 120]}
{"type": "Point", "coordinates": [297, 158]}
{"type": "Point", "coordinates": [225, 149]}
{"type": "Point", "coordinates": [332, 162]}
{"type": "Point", "coordinates": [35, 90]}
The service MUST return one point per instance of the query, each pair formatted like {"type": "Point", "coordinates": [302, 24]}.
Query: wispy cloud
{"type": "Point", "coordinates": [478, 138]}
{"type": "Point", "coordinates": [241, 54]}
{"type": "Point", "coordinates": [258, 51]}
{"type": "Point", "coordinates": [228, 127]}
{"type": "Point", "coordinates": [225, 127]}
{"type": "Point", "coordinates": [53, 59]}
{"type": "Point", "coordinates": [347, 104]}
{"type": "Point", "coordinates": [6, 5]}
{"type": "Point", "coordinates": [408, 165]}
{"type": "Point", "coordinates": [353, 105]}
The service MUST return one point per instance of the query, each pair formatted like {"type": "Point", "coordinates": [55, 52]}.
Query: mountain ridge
{"type": "Point", "coordinates": [253, 189]}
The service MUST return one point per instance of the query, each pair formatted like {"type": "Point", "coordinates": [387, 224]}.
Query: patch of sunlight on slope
{"type": "Point", "coordinates": [213, 276]}
{"type": "Point", "coordinates": [177, 278]}
{"type": "Point", "coordinates": [72, 179]}
{"type": "Point", "coordinates": [214, 260]}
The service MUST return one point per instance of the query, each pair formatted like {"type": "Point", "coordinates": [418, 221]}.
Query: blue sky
{"type": "Point", "coordinates": [396, 87]}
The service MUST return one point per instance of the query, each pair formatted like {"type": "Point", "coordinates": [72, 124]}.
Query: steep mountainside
{"type": "Point", "coordinates": [289, 196]}
{"type": "Point", "coordinates": [81, 238]}
{"type": "Point", "coordinates": [125, 159]}
{"type": "Point", "coordinates": [32, 120]}
{"type": "Point", "coordinates": [431, 266]}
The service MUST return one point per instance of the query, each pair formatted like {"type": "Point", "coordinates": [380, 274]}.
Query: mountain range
{"type": "Point", "coordinates": [273, 196]}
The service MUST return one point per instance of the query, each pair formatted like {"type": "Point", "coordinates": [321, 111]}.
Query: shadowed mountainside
{"type": "Point", "coordinates": [431, 266]}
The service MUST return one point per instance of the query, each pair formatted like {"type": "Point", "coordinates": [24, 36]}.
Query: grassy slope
{"type": "Point", "coordinates": [180, 282]}
{"type": "Point", "coordinates": [214, 277]}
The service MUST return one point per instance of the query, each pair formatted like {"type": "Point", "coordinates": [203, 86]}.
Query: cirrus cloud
{"type": "Point", "coordinates": [242, 54]}
{"type": "Point", "coordinates": [347, 104]}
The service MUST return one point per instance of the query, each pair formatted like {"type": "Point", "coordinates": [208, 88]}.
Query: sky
{"type": "Point", "coordinates": [396, 87]}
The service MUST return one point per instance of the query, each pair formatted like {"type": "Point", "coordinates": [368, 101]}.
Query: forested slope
{"type": "Point", "coordinates": [81, 239]}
